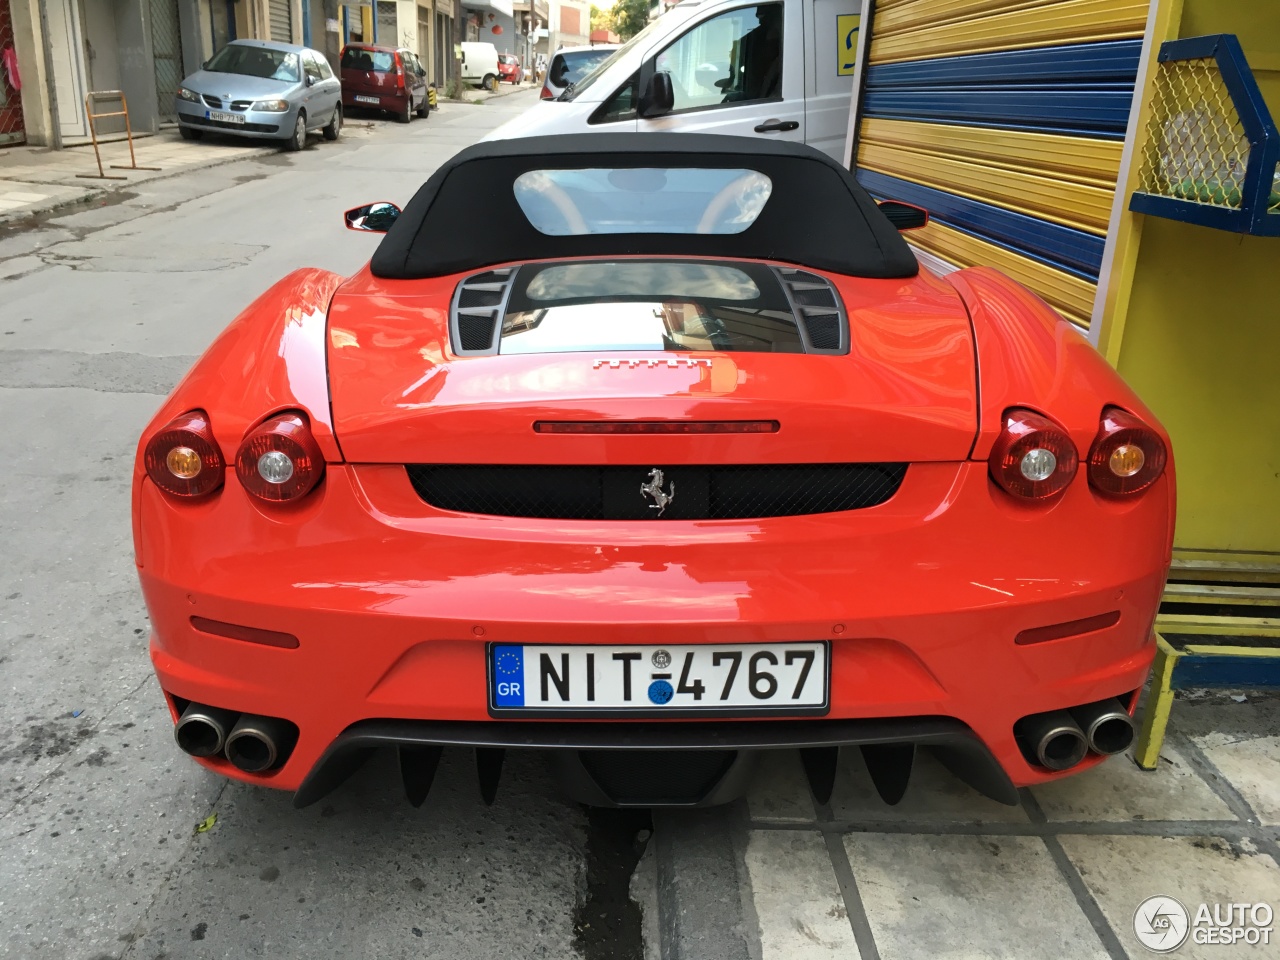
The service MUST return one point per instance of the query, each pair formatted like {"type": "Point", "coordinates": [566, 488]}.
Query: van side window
{"type": "Point", "coordinates": [621, 106]}
{"type": "Point", "coordinates": [733, 58]}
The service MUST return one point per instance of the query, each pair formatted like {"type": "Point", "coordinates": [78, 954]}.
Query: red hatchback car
{"type": "Point", "coordinates": [662, 475]}
{"type": "Point", "coordinates": [384, 78]}
{"type": "Point", "coordinates": [509, 69]}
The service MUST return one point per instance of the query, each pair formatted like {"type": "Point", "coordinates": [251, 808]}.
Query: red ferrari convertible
{"type": "Point", "coordinates": [689, 462]}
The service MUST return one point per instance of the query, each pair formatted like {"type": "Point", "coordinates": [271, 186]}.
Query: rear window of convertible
{"type": "Point", "coordinates": [600, 200]}
{"type": "Point", "coordinates": [648, 305]}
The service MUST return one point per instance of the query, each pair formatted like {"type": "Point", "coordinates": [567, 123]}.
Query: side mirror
{"type": "Point", "coordinates": [660, 98]}
{"type": "Point", "coordinates": [310, 80]}
{"type": "Point", "coordinates": [372, 217]}
{"type": "Point", "coordinates": [904, 216]}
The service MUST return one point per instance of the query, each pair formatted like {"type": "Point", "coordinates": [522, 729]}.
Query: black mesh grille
{"type": "Point", "coordinates": [614, 493]}
{"type": "Point", "coordinates": [471, 297]}
{"type": "Point", "coordinates": [476, 330]}
{"type": "Point", "coordinates": [824, 330]}
{"type": "Point", "coordinates": [657, 776]}
{"type": "Point", "coordinates": [822, 297]}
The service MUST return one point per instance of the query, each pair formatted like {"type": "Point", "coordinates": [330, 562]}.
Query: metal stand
{"type": "Point", "coordinates": [89, 98]}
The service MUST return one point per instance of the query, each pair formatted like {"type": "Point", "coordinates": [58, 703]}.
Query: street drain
{"type": "Point", "coordinates": [606, 924]}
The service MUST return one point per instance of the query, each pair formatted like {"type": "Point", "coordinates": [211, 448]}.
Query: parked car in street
{"type": "Point", "coordinates": [384, 78]}
{"type": "Point", "coordinates": [571, 64]}
{"type": "Point", "coordinates": [716, 67]}
{"type": "Point", "coordinates": [480, 64]}
{"type": "Point", "coordinates": [509, 68]}
{"type": "Point", "coordinates": [687, 461]}
{"type": "Point", "coordinates": [264, 90]}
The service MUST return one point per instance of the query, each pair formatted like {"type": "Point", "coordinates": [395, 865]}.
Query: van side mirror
{"type": "Point", "coordinates": [904, 216]}
{"type": "Point", "coordinates": [372, 217]}
{"type": "Point", "coordinates": [660, 98]}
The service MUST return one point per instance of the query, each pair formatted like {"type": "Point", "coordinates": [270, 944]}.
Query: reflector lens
{"type": "Point", "coordinates": [1127, 456]}
{"type": "Point", "coordinates": [275, 467]}
{"type": "Point", "coordinates": [1033, 458]}
{"type": "Point", "coordinates": [1038, 464]}
{"type": "Point", "coordinates": [183, 459]}
{"type": "Point", "coordinates": [280, 460]}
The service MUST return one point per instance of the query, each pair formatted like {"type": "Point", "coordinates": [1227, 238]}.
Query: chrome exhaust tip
{"type": "Point", "coordinates": [1053, 739]}
{"type": "Point", "coordinates": [257, 744]}
{"type": "Point", "coordinates": [202, 731]}
{"type": "Point", "coordinates": [1107, 726]}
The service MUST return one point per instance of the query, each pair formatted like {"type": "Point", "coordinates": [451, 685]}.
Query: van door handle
{"type": "Point", "coordinates": [780, 125]}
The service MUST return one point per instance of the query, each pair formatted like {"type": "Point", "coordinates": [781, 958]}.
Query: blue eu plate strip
{"type": "Point", "coordinates": [508, 675]}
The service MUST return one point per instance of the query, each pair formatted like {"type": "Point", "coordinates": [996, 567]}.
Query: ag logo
{"type": "Point", "coordinates": [1161, 924]}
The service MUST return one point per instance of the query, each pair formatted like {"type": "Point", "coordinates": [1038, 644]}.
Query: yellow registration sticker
{"type": "Point", "coordinates": [847, 25]}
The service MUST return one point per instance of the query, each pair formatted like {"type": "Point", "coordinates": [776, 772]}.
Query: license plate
{"type": "Point", "coordinates": [741, 679]}
{"type": "Point", "coordinates": [360, 99]}
{"type": "Point", "coordinates": [225, 117]}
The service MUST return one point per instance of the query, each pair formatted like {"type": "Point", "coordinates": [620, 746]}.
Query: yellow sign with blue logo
{"type": "Point", "coordinates": [847, 25]}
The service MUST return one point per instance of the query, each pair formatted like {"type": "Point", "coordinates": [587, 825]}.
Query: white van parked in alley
{"type": "Point", "coordinates": [781, 69]}
{"type": "Point", "coordinates": [480, 64]}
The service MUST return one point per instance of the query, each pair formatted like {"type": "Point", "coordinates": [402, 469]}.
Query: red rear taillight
{"type": "Point", "coordinates": [280, 459]}
{"type": "Point", "coordinates": [1033, 457]}
{"type": "Point", "coordinates": [546, 93]}
{"type": "Point", "coordinates": [1127, 456]}
{"type": "Point", "coordinates": [183, 459]}
{"type": "Point", "coordinates": [399, 72]}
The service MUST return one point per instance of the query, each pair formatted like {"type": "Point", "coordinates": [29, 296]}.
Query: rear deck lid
{"type": "Point", "coordinates": [498, 367]}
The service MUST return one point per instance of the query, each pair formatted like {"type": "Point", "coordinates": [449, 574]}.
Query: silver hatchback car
{"type": "Point", "coordinates": [256, 88]}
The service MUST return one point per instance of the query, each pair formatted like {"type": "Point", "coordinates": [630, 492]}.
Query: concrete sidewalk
{"type": "Point", "coordinates": [36, 180]}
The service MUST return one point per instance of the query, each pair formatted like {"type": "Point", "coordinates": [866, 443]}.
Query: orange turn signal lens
{"type": "Point", "coordinates": [184, 463]}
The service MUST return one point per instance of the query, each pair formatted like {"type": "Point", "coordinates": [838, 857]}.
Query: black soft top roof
{"type": "Point", "coordinates": [466, 216]}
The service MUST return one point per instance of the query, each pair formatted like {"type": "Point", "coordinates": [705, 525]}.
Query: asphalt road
{"type": "Point", "coordinates": [115, 845]}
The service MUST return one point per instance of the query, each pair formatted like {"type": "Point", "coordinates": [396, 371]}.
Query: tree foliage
{"type": "Point", "coordinates": [630, 17]}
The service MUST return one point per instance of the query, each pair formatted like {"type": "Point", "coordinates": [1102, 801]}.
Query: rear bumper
{"type": "Point", "coordinates": [393, 603]}
{"type": "Point", "coordinates": [375, 101]}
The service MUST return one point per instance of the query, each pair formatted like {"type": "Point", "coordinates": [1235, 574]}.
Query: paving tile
{"type": "Point", "coordinates": [779, 790]}
{"type": "Point", "coordinates": [23, 197]}
{"type": "Point", "coordinates": [13, 204]}
{"type": "Point", "coordinates": [1120, 790]}
{"type": "Point", "coordinates": [1252, 765]}
{"type": "Point", "coordinates": [1121, 872]}
{"type": "Point", "coordinates": [968, 898]}
{"type": "Point", "coordinates": [797, 899]}
{"type": "Point", "coordinates": [933, 794]}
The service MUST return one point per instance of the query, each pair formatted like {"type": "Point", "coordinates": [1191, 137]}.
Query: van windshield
{"type": "Point", "coordinates": [576, 88]}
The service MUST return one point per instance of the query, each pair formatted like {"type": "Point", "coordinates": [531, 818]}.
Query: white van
{"type": "Point", "coordinates": [781, 69]}
{"type": "Point", "coordinates": [480, 64]}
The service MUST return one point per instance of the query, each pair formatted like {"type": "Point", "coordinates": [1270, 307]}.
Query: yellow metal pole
{"type": "Point", "coordinates": [1159, 703]}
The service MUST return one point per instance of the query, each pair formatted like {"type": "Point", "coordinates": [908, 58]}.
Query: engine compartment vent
{"type": "Point", "coordinates": [822, 319]}
{"type": "Point", "coordinates": [478, 305]}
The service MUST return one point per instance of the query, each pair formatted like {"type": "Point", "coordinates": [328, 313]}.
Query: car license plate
{"type": "Point", "coordinates": [742, 678]}
{"type": "Point", "coordinates": [360, 99]}
{"type": "Point", "coordinates": [225, 117]}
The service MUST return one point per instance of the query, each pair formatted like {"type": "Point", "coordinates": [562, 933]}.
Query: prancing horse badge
{"type": "Point", "coordinates": [654, 489]}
